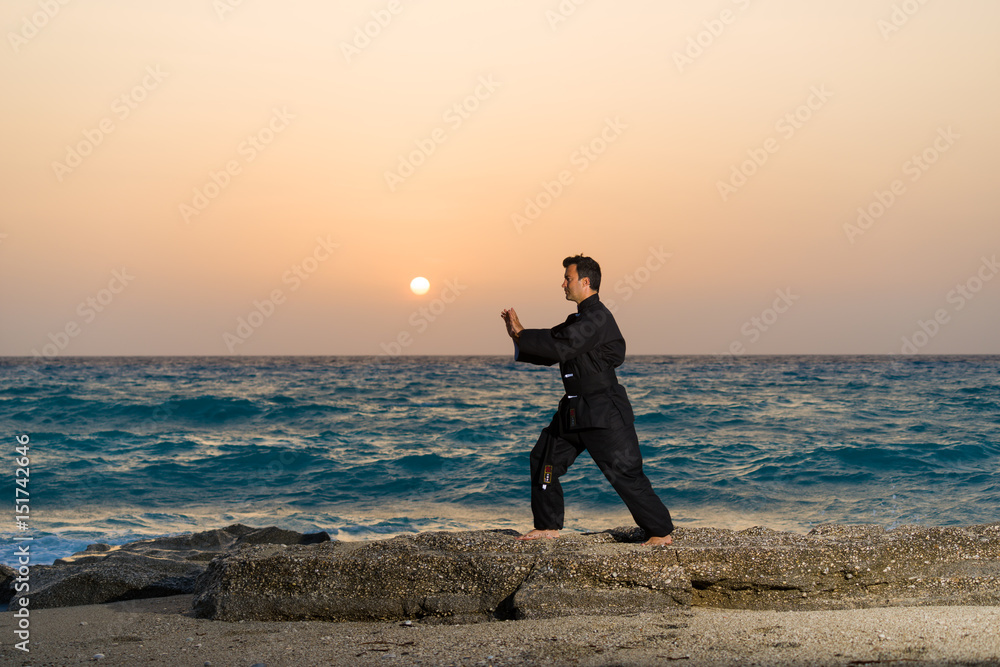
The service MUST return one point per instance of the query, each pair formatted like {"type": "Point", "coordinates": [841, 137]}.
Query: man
{"type": "Point", "coordinates": [594, 414]}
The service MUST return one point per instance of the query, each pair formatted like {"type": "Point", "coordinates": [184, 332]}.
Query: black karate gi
{"type": "Point", "coordinates": [594, 414]}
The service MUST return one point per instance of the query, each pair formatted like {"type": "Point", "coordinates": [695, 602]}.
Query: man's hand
{"type": "Point", "coordinates": [514, 327]}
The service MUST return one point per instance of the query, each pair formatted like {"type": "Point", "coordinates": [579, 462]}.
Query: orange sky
{"type": "Point", "coordinates": [262, 177]}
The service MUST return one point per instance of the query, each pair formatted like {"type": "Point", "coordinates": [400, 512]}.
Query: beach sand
{"type": "Point", "coordinates": [162, 631]}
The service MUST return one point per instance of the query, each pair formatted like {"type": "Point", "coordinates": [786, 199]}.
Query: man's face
{"type": "Point", "coordinates": [574, 289]}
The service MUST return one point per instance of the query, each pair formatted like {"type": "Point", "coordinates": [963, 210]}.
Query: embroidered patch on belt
{"type": "Point", "coordinates": [572, 417]}
{"type": "Point", "coordinates": [547, 475]}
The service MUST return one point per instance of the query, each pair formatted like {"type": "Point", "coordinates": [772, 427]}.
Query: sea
{"type": "Point", "coordinates": [116, 449]}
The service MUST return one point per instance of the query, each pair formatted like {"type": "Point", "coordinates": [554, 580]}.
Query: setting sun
{"type": "Point", "coordinates": [420, 285]}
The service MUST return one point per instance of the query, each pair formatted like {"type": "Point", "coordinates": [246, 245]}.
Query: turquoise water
{"type": "Point", "coordinates": [365, 447]}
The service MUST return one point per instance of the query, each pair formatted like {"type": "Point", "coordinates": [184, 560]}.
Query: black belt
{"type": "Point", "coordinates": [588, 384]}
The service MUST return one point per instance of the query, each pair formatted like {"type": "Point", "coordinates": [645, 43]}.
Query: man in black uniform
{"type": "Point", "coordinates": [594, 414]}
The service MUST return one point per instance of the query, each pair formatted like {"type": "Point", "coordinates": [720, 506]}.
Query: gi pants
{"type": "Point", "coordinates": [615, 450]}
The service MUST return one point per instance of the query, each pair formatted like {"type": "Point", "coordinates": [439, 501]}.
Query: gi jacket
{"type": "Point", "coordinates": [588, 347]}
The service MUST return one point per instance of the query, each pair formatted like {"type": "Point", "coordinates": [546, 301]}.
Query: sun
{"type": "Point", "coordinates": [420, 285]}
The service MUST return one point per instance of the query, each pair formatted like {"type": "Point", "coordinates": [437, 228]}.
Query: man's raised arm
{"type": "Point", "coordinates": [576, 336]}
{"type": "Point", "coordinates": [515, 331]}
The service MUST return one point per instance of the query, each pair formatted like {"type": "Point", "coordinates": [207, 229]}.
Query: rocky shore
{"type": "Point", "coordinates": [240, 573]}
{"type": "Point", "coordinates": [840, 595]}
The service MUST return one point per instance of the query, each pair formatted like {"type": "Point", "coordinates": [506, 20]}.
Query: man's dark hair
{"type": "Point", "coordinates": [586, 268]}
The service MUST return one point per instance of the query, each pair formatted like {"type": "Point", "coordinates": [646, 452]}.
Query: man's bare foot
{"type": "Point", "coordinates": [539, 534]}
{"type": "Point", "coordinates": [658, 541]}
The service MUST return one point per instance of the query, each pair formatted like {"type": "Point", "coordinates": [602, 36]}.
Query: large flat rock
{"type": "Point", "coordinates": [484, 575]}
{"type": "Point", "coordinates": [456, 577]}
{"type": "Point", "coordinates": [243, 573]}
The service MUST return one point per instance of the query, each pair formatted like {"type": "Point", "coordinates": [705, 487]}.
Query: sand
{"type": "Point", "coordinates": [162, 631]}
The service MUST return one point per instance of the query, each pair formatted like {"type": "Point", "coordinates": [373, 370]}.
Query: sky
{"type": "Point", "coordinates": [251, 177]}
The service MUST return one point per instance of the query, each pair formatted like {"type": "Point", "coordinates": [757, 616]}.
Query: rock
{"type": "Point", "coordinates": [450, 577]}
{"type": "Point", "coordinates": [275, 535]}
{"type": "Point", "coordinates": [484, 575]}
{"type": "Point", "coordinates": [143, 569]}
{"type": "Point", "coordinates": [843, 567]}
{"type": "Point", "coordinates": [601, 579]}
{"type": "Point", "coordinates": [465, 576]}
{"type": "Point", "coordinates": [124, 576]}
